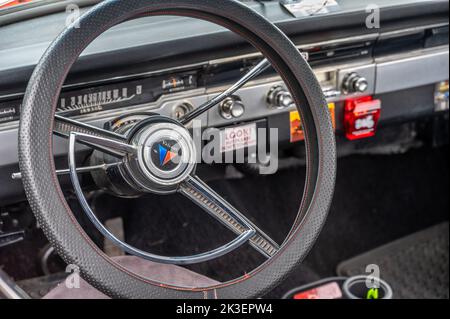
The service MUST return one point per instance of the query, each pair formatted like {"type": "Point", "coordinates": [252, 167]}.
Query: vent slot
{"type": "Point", "coordinates": [395, 43]}
{"type": "Point", "coordinates": [392, 44]}
{"type": "Point", "coordinates": [339, 52]}
{"type": "Point", "coordinates": [436, 37]}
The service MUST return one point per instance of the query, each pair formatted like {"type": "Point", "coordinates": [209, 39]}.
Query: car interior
{"type": "Point", "coordinates": [278, 149]}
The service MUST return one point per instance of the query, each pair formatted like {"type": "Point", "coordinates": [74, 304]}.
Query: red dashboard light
{"type": "Point", "coordinates": [361, 116]}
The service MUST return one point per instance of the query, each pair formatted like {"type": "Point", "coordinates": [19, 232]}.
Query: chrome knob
{"type": "Point", "coordinates": [182, 109]}
{"type": "Point", "coordinates": [232, 107]}
{"type": "Point", "coordinates": [354, 83]}
{"type": "Point", "coordinates": [361, 85]}
{"type": "Point", "coordinates": [279, 98]}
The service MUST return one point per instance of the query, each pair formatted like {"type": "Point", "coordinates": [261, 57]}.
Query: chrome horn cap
{"type": "Point", "coordinates": [166, 157]}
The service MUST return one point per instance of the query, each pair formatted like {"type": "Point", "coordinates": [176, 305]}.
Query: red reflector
{"type": "Point", "coordinates": [328, 291]}
{"type": "Point", "coordinates": [361, 117]}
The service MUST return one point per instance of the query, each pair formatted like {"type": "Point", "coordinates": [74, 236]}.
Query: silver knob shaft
{"type": "Point", "coordinates": [279, 98]}
{"type": "Point", "coordinates": [354, 83]}
{"type": "Point", "coordinates": [361, 85]}
{"type": "Point", "coordinates": [232, 108]}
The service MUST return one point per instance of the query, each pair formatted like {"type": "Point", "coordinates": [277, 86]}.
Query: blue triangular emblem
{"type": "Point", "coordinates": [162, 154]}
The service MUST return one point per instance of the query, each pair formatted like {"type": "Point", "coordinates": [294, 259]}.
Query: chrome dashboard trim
{"type": "Point", "coordinates": [419, 69]}
{"type": "Point", "coordinates": [412, 54]}
{"type": "Point", "coordinates": [367, 37]}
{"type": "Point", "coordinates": [412, 30]}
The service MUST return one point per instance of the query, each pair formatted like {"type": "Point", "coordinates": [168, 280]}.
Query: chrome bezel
{"type": "Point", "coordinates": [155, 133]}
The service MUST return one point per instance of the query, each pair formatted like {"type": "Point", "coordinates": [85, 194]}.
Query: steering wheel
{"type": "Point", "coordinates": [138, 166]}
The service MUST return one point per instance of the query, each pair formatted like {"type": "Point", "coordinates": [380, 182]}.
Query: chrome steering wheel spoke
{"type": "Point", "coordinates": [63, 126]}
{"type": "Point", "coordinates": [97, 138]}
{"type": "Point", "coordinates": [215, 205]}
{"type": "Point", "coordinates": [254, 72]}
{"type": "Point", "coordinates": [106, 145]}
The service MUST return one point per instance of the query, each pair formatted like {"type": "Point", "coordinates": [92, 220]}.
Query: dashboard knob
{"type": "Point", "coordinates": [354, 83]}
{"type": "Point", "coordinates": [232, 108]}
{"type": "Point", "coordinates": [361, 85]}
{"type": "Point", "coordinates": [279, 98]}
{"type": "Point", "coordinates": [182, 109]}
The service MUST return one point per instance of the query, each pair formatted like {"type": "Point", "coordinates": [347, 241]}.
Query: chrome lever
{"type": "Point", "coordinates": [11, 238]}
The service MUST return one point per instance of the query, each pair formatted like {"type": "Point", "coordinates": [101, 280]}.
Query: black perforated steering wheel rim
{"type": "Point", "coordinates": [46, 197]}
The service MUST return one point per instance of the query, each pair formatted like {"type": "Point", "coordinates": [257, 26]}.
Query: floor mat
{"type": "Point", "coordinates": [417, 266]}
{"type": "Point", "coordinates": [372, 206]}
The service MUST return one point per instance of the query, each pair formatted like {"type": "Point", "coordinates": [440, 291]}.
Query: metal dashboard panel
{"type": "Point", "coordinates": [412, 71]}
{"type": "Point", "coordinates": [383, 76]}
{"type": "Point", "coordinates": [254, 99]}
{"type": "Point", "coordinates": [9, 138]}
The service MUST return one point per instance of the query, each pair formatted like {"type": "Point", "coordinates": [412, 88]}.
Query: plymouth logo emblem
{"type": "Point", "coordinates": [165, 155]}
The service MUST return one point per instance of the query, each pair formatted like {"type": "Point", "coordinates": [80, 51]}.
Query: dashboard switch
{"type": "Point", "coordinates": [354, 83]}
{"type": "Point", "coordinates": [279, 98]}
{"type": "Point", "coordinates": [232, 108]}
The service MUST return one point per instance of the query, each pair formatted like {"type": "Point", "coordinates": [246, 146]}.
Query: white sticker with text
{"type": "Point", "coordinates": [238, 137]}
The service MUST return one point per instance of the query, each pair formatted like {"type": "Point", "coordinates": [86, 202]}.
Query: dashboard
{"type": "Point", "coordinates": [171, 65]}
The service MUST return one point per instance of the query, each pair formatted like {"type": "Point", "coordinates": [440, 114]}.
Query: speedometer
{"type": "Point", "coordinates": [84, 100]}
{"type": "Point", "coordinates": [100, 98]}
{"type": "Point", "coordinates": [124, 94]}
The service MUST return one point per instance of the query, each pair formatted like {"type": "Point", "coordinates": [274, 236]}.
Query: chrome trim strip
{"type": "Point", "coordinates": [367, 37]}
{"type": "Point", "coordinates": [412, 30]}
{"type": "Point", "coordinates": [400, 57]}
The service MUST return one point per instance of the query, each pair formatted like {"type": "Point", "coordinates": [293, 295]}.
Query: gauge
{"type": "Point", "coordinates": [178, 83]}
{"type": "Point", "coordinates": [106, 97]}
{"type": "Point", "coordinates": [124, 94]}
{"type": "Point", "coordinates": [123, 123]}
{"type": "Point", "coordinates": [86, 100]}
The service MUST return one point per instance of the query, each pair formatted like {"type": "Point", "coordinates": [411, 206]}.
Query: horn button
{"type": "Point", "coordinates": [165, 158]}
